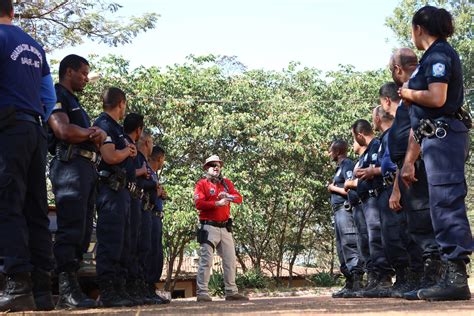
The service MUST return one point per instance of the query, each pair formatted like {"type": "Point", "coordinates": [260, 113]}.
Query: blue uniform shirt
{"type": "Point", "coordinates": [352, 195]}
{"type": "Point", "coordinates": [116, 136]}
{"type": "Point", "coordinates": [399, 134]}
{"type": "Point", "coordinates": [68, 104]}
{"type": "Point", "coordinates": [368, 158]}
{"type": "Point", "coordinates": [440, 63]}
{"type": "Point", "coordinates": [385, 163]}
{"type": "Point", "coordinates": [343, 173]}
{"type": "Point", "coordinates": [22, 65]}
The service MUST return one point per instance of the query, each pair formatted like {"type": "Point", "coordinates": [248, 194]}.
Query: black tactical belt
{"type": "Point", "coordinates": [23, 116]}
{"type": "Point", "coordinates": [371, 193]}
{"type": "Point", "coordinates": [430, 128]}
{"type": "Point", "coordinates": [89, 155]}
{"type": "Point", "coordinates": [214, 223]}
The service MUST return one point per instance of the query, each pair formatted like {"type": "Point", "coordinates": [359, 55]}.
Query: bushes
{"type": "Point", "coordinates": [324, 279]}
{"type": "Point", "coordinates": [252, 279]}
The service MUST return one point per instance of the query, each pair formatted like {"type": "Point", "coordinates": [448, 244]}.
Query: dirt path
{"type": "Point", "coordinates": [309, 305]}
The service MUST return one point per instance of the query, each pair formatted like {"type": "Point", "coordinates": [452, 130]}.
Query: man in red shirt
{"type": "Point", "coordinates": [212, 196]}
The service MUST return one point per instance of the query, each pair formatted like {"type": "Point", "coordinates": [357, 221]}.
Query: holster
{"type": "Point", "coordinates": [228, 226]}
{"type": "Point", "coordinates": [64, 152]}
{"type": "Point", "coordinates": [7, 117]}
{"type": "Point", "coordinates": [465, 117]}
{"type": "Point", "coordinates": [115, 181]}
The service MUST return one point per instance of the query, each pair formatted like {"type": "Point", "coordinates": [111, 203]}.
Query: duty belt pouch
{"type": "Point", "coordinates": [228, 226]}
{"type": "Point", "coordinates": [64, 153]}
{"type": "Point", "coordinates": [465, 117]}
{"type": "Point", "coordinates": [7, 117]}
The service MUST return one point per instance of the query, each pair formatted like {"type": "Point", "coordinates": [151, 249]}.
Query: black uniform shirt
{"type": "Point", "coordinates": [343, 173]}
{"type": "Point", "coordinates": [369, 158]}
{"type": "Point", "coordinates": [440, 63]}
{"type": "Point", "coordinates": [69, 104]}
{"type": "Point", "coordinates": [144, 183]}
{"type": "Point", "coordinates": [352, 194]}
{"type": "Point", "coordinates": [115, 135]}
{"type": "Point", "coordinates": [399, 134]}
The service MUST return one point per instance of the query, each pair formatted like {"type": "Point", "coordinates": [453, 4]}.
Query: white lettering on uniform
{"type": "Point", "coordinates": [25, 60]}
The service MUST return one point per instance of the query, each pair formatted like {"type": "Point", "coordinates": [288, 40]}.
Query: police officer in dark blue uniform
{"type": "Point", "coordinates": [26, 91]}
{"type": "Point", "coordinates": [133, 126]}
{"type": "Point", "coordinates": [413, 200]}
{"type": "Point", "coordinates": [358, 214]}
{"type": "Point", "coordinates": [395, 238]}
{"type": "Point", "coordinates": [153, 260]}
{"type": "Point", "coordinates": [73, 173]}
{"type": "Point", "coordinates": [435, 96]}
{"type": "Point", "coordinates": [346, 232]}
{"type": "Point", "coordinates": [116, 174]}
{"type": "Point", "coordinates": [368, 188]}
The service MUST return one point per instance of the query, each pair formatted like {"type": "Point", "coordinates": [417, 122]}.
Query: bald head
{"type": "Point", "coordinates": [402, 64]}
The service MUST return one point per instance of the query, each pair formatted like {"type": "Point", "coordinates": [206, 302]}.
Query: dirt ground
{"type": "Point", "coordinates": [309, 305]}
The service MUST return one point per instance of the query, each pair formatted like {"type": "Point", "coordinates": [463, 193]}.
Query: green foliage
{"type": "Point", "coordinates": [324, 279]}
{"type": "Point", "coordinates": [60, 23]}
{"type": "Point", "coordinates": [216, 283]}
{"type": "Point", "coordinates": [252, 279]}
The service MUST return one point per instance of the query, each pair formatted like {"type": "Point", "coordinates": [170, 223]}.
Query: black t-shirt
{"type": "Point", "coordinates": [343, 173]}
{"type": "Point", "coordinates": [370, 158]}
{"type": "Point", "coordinates": [68, 104]}
{"type": "Point", "coordinates": [399, 134]}
{"type": "Point", "coordinates": [115, 135]}
{"type": "Point", "coordinates": [440, 63]}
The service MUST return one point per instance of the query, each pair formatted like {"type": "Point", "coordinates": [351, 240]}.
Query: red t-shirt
{"type": "Point", "coordinates": [205, 196]}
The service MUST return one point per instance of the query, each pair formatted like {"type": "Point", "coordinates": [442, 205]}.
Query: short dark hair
{"type": "Point", "coordinates": [6, 7]}
{"type": "Point", "coordinates": [390, 90]}
{"type": "Point", "coordinates": [157, 152]}
{"type": "Point", "coordinates": [112, 97]}
{"type": "Point", "coordinates": [436, 21]}
{"type": "Point", "coordinates": [340, 146]}
{"type": "Point", "coordinates": [71, 61]}
{"type": "Point", "coordinates": [384, 115]}
{"type": "Point", "coordinates": [131, 122]}
{"type": "Point", "coordinates": [362, 126]}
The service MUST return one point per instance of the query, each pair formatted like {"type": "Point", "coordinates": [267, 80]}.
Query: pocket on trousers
{"type": "Point", "coordinates": [444, 178]}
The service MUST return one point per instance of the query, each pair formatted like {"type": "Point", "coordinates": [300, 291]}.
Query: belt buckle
{"type": "Point", "coordinates": [94, 157]}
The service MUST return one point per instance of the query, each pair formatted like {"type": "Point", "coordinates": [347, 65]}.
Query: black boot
{"type": "Point", "coordinates": [347, 287]}
{"type": "Point", "coordinates": [70, 293]}
{"type": "Point", "coordinates": [133, 290]}
{"type": "Point", "coordinates": [18, 295]}
{"type": "Point", "coordinates": [148, 298]}
{"type": "Point", "coordinates": [109, 297]}
{"type": "Point", "coordinates": [357, 285]}
{"type": "Point", "coordinates": [453, 287]}
{"type": "Point", "coordinates": [158, 299]}
{"type": "Point", "coordinates": [372, 281]}
{"type": "Point", "coordinates": [412, 282]}
{"type": "Point", "coordinates": [42, 290]}
{"type": "Point", "coordinates": [381, 289]}
{"type": "Point", "coordinates": [121, 290]}
{"type": "Point", "coordinates": [433, 269]}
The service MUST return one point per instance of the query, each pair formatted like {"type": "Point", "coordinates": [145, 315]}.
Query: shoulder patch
{"type": "Point", "coordinates": [374, 156]}
{"type": "Point", "coordinates": [58, 106]}
{"type": "Point", "coordinates": [415, 72]}
{"type": "Point", "coordinates": [349, 174]}
{"type": "Point", "coordinates": [438, 70]}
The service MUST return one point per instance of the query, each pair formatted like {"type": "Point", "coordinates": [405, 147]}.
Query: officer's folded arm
{"type": "Point", "coordinates": [113, 156]}
{"type": "Point", "coordinates": [434, 97]}
{"type": "Point", "coordinates": [66, 131]}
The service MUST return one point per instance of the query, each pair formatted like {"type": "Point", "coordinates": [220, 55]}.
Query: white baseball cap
{"type": "Point", "coordinates": [213, 158]}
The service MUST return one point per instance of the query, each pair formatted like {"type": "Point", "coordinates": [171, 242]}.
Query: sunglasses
{"type": "Point", "coordinates": [214, 164]}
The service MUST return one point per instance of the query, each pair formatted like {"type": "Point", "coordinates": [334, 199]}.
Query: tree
{"type": "Point", "coordinates": [462, 40]}
{"type": "Point", "coordinates": [59, 23]}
